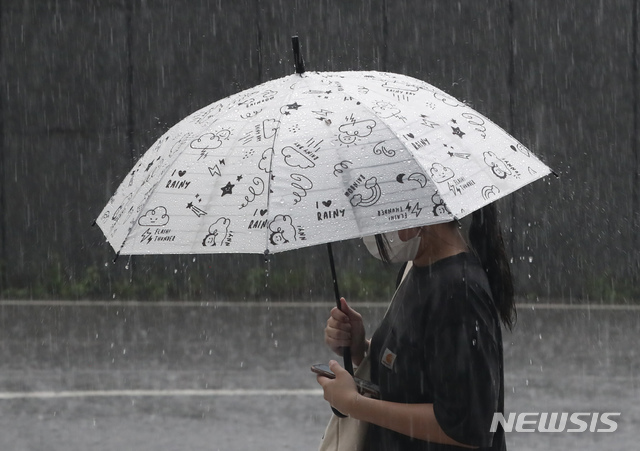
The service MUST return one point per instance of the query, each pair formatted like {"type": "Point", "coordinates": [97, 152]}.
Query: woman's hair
{"type": "Point", "coordinates": [486, 240]}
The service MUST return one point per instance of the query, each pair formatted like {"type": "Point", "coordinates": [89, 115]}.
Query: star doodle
{"type": "Point", "coordinates": [198, 211]}
{"type": "Point", "coordinates": [294, 106]}
{"type": "Point", "coordinates": [457, 131]}
{"type": "Point", "coordinates": [227, 189]}
{"type": "Point", "coordinates": [238, 178]}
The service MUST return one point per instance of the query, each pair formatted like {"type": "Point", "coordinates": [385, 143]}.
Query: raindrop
{"type": "Point", "coordinates": [474, 341]}
{"type": "Point", "coordinates": [527, 382]}
{"type": "Point", "coordinates": [275, 343]}
{"type": "Point", "coordinates": [530, 259]}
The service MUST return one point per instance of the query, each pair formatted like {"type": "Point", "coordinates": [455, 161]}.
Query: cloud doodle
{"type": "Point", "coordinates": [210, 141]}
{"type": "Point", "coordinates": [282, 230]}
{"type": "Point", "coordinates": [498, 167]}
{"type": "Point", "coordinates": [353, 130]}
{"type": "Point", "coordinates": [440, 173]}
{"type": "Point", "coordinates": [156, 217]}
{"type": "Point", "coordinates": [296, 159]}
{"type": "Point", "coordinates": [265, 161]}
{"type": "Point", "coordinates": [217, 233]}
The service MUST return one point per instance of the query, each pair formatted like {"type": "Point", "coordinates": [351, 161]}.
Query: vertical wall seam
{"type": "Point", "coordinates": [129, 44]}
{"type": "Point", "coordinates": [635, 196]}
{"type": "Point", "coordinates": [259, 43]}
{"type": "Point", "coordinates": [385, 35]}
{"type": "Point", "coordinates": [3, 209]}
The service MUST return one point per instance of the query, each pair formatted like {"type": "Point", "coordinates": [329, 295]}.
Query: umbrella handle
{"type": "Point", "coordinates": [346, 351]}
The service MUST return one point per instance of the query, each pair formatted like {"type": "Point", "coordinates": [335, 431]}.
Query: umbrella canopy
{"type": "Point", "coordinates": [313, 158]}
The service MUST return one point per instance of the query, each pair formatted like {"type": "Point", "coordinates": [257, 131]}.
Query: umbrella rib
{"type": "Point", "coordinates": [273, 154]}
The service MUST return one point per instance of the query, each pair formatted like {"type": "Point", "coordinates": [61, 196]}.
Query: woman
{"type": "Point", "coordinates": [437, 354]}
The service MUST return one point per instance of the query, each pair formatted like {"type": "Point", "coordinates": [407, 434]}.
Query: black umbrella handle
{"type": "Point", "coordinates": [346, 351]}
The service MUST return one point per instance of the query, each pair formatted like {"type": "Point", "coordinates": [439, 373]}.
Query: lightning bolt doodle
{"type": "Point", "coordinates": [416, 209]}
{"type": "Point", "coordinates": [146, 236]}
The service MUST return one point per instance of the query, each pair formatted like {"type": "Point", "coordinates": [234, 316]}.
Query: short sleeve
{"type": "Point", "coordinates": [465, 370]}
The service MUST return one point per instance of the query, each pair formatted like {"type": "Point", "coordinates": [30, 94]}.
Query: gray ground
{"type": "Point", "coordinates": [557, 360]}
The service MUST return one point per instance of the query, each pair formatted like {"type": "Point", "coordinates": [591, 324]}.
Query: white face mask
{"type": "Point", "coordinates": [399, 251]}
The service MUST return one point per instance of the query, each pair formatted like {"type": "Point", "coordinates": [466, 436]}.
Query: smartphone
{"type": "Point", "coordinates": [365, 388]}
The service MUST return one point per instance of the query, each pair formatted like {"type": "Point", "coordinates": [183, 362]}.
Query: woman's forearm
{"type": "Point", "coordinates": [414, 420]}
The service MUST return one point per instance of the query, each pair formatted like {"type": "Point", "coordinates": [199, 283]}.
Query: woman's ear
{"type": "Point", "coordinates": [407, 234]}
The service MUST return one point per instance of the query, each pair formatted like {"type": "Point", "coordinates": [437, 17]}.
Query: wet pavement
{"type": "Point", "coordinates": [154, 376]}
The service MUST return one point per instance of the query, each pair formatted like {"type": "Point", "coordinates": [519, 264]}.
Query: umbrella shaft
{"type": "Point", "coordinates": [334, 277]}
{"type": "Point", "coordinates": [346, 352]}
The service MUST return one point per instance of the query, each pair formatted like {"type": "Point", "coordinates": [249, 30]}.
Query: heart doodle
{"type": "Point", "coordinates": [181, 173]}
{"type": "Point", "coordinates": [263, 212]}
{"type": "Point", "coordinates": [326, 203]}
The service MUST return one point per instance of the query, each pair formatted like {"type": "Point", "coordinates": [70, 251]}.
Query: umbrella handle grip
{"type": "Point", "coordinates": [346, 352]}
{"type": "Point", "coordinates": [348, 364]}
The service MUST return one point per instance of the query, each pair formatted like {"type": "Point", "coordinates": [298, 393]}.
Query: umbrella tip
{"type": "Point", "coordinates": [297, 55]}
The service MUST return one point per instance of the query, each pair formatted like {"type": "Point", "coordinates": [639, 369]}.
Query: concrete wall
{"type": "Point", "coordinates": [89, 85]}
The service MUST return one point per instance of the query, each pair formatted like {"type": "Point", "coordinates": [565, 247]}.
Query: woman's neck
{"type": "Point", "coordinates": [439, 241]}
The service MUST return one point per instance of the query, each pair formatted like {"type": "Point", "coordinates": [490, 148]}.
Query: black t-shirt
{"type": "Point", "coordinates": [440, 342]}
